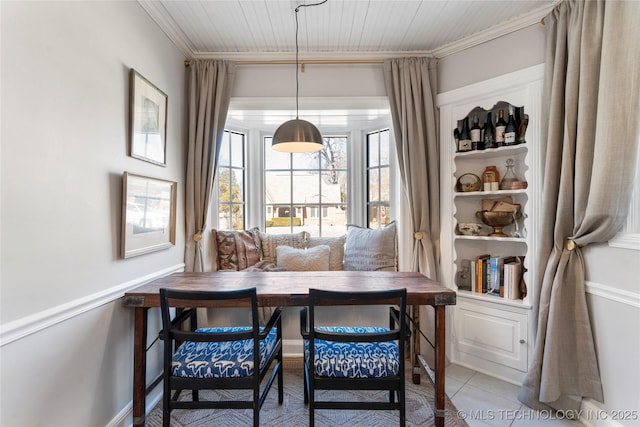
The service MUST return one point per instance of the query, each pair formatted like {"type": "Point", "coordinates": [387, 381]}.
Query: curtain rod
{"type": "Point", "coordinates": [302, 62]}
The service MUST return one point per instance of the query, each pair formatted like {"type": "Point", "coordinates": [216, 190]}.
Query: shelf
{"type": "Point", "coordinates": [494, 299]}
{"type": "Point", "coordinates": [490, 239]}
{"type": "Point", "coordinates": [492, 152]}
{"type": "Point", "coordinates": [488, 193]}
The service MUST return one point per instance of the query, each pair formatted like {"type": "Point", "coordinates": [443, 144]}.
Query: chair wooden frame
{"type": "Point", "coordinates": [174, 333]}
{"type": "Point", "coordinates": [397, 332]}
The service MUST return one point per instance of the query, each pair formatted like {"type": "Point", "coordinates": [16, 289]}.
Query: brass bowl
{"type": "Point", "coordinates": [497, 220]}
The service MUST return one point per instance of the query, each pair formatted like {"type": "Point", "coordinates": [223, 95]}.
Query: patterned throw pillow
{"type": "Point", "coordinates": [269, 243]}
{"type": "Point", "coordinates": [371, 250]}
{"type": "Point", "coordinates": [313, 259]}
{"type": "Point", "coordinates": [236, 250]}
{"type": "Point", "coordinates": [336, 259]}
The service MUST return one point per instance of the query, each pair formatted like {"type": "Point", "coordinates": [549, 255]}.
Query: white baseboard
{"type": "Point", "coordinates": [36, 322]}
{"type": "Point", "coordinates": [124, 417]}
{"type": "Point", "coordinates": [292, 348]}
{"type": "Point", "coordinates": [593, 416]}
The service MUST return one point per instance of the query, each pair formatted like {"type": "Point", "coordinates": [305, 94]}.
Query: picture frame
{"type": "Point", "coordinates": [148, 214]}
{"type": "Point", "coordinates": [147, 120]}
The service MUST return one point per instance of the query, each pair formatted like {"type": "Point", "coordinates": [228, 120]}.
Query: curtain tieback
{"type": "Point", "coordinates": [418, 235]}
{"type": "Point", "coordinates": [197, 237]}
{"type": "Point", "coordinates": [570, 245]}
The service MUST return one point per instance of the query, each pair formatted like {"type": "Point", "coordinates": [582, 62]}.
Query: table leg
{"type": "Point", "coordinates": [139, 365]}
{"type": "Point", "coordinates": [440, 356]}
{"type": "Point", "coordinates": [415, 335]}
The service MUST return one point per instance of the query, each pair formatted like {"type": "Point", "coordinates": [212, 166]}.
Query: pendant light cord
{"type": "Point", "coordinates": [297, 9]}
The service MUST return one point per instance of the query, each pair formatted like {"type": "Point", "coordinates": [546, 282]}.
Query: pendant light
{"type": "Point", "coordinates": [297, 136]}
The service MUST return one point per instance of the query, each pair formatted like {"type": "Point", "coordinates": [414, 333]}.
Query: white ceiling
{"type": "Point", "coordinates": [257, 31]}
{"type": "Point", "coordinates": [265, 29]}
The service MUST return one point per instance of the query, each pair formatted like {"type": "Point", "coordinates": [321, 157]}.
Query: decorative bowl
{"type": "Point", "coordinates": [497, 220]}
{"type": "Point", "coordinates": [469, 228]}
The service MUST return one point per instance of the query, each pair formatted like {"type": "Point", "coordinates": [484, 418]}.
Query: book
{"type": "Point", "coordinates": [481, 275]}
{"type": "Point", "coordinates": [493, 282]}
{"type": "Point", "coordinates": [512, 275]}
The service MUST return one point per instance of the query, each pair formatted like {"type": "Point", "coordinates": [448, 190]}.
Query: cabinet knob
{"type": "Point", "coordinates": [522, 341]}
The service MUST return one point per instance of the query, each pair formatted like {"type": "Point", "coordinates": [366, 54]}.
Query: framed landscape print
{"type": "Point", "coordinates": [147, 120]}
{"type": "Point", "coordinates": [148, 214]}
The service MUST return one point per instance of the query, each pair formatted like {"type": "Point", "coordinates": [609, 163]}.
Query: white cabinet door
{"type": "Point", "coordinates": [491, 336]}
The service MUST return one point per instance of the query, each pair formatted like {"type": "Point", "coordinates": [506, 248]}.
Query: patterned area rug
{"type": "Point", "coordinates": [293, 411]}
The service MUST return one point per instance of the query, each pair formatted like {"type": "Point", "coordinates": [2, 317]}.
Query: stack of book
{"type": "Point", "coordinates": [495, 275]}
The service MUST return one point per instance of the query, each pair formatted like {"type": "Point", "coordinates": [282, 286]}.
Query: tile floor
{"type": "Point", "coordinates": [486, 401]}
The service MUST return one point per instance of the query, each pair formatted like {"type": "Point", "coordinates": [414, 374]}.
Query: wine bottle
{"type": "Point", "coordinates": [501, 125]}
{"type": "Point", "coordinates": [489, 137]}
{"type": "Point", "coordinates": [522, 129]}
{"type": "Point", "coordinates": [511, 130]}
{"type": "Point", "coordinates": [464, 144]}
{"type": "Point", "coordinates": [476, 141]}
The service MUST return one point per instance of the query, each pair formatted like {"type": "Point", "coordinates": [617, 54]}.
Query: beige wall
{"type": "Point", "coordinates": [66, 341]}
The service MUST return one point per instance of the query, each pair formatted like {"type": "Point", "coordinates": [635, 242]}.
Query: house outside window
{"type": "Point", "coordinates": [306, 191]}
{"type": "Point", "coordinates": [231, 181]}
{"type": "Point", "coordinates": [378, 179]}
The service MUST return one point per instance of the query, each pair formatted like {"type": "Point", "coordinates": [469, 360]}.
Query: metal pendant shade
{"type": "Point", "coordinates": [297, 136]}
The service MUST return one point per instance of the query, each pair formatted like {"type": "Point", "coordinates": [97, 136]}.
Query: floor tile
{"type": "Point", "coordinates": [459, 373]}
{"type": "Point", "coordinates": [496, 386]}
{"type": "Point", "coordinates": [476, 404]}
{"type": "Point", "coordinates": [452, 386]}
{"type": "Point", "coordinates": [527, 417]}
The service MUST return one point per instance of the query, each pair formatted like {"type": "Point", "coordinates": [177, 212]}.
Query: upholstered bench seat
{"type": "Point", "coordinates": [354, 359]}
{"type": "Point", "coordinates": [227, 359]}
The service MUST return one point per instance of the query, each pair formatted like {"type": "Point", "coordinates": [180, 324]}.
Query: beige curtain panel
{"type": "Point", "coordinates": [592, 87]}
{"type": "Point", "coordinates": [411, 88]}
{"type": "Point", "coordinates": [210, 85]}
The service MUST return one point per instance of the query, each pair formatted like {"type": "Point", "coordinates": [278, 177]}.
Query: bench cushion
{"type": "Point", "coordinates": [354, 359]}
{"type": "Point", "coordinates": [225, 359]}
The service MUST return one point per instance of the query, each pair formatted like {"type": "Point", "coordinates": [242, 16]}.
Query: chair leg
{"type": "Point", "coordinates": [305, 385]}
{"type": "Point", "coordinates": [403, 412]}
{"type": "Point", "coordinates": [166, 397]}
{"type": "Point", "coordinates": [281, 381]}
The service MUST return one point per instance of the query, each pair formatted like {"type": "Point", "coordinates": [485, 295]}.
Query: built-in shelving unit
{"type": "Point", "coordinates": [490, 333]}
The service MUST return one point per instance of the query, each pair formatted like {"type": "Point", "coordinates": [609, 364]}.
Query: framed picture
{"type": "Point", "coordinates": [148, 214]}
{"type": "Point", "coordinates": [147, 120]}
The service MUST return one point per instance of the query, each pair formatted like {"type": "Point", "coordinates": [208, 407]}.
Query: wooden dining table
{"type": "Point", "coordinates": [279, 289]}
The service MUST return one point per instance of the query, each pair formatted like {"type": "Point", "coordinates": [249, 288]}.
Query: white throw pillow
{"type": "Point", "coordinates": [313, 259]}
{"type": "Point", "coordinates": [269, 243]}
{"type": "Point", "coordinates": [371, 250]}
{"type": "Point", "coordinates": [336, 259]}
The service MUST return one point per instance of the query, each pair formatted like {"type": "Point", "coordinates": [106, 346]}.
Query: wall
{"type": "Point", "coordinates": [613, 294]}
{"type": "Point", "coordinates": [66, 342]}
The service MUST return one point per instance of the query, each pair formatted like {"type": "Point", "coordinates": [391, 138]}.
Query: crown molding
{"type": "Point", "coordinates": [157, 12]}
{"type": "Point", "coordinates": [532, 18]}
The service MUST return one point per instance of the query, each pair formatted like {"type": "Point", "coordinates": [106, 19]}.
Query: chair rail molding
{"type": "Point", "coordinates": [20, 328]}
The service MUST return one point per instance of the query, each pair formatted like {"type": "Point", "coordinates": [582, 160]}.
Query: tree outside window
{"type": "Point", "coordinates": [231, 172]}
{"type": "Point", "coordinates": [307, 191]}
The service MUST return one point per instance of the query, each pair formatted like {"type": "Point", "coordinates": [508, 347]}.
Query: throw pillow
{"type": "Point", "coordinates": [369, 249]}
{"type": "Point", "coordinates": [269, 243]}
{"type": "Point", "coordinates": [313, 259]}
{"type": "Point", "coordinates": [336, 259]}
{"type": "Point", "coordinates": [235, 250]}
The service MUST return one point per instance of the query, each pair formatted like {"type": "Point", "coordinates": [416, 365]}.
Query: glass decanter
{"type": "Point", "coordinates": [509, 176]}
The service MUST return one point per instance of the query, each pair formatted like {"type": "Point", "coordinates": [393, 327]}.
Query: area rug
{"type": "Point", "coordinates": [293, 411]}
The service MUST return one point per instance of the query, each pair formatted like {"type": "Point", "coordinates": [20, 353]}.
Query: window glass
{"type": "Point", "coordinates": [306, 191]}
{"type": "Point", "coordinates": [378, 179]}
{"type": "Point", "coordinates": [231, 180]}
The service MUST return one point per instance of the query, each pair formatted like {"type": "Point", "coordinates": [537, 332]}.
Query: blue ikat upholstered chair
{"type": "Point", "coordinates": [354, 357]}
{"type": "Point", "coordinates": [237, 357]}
